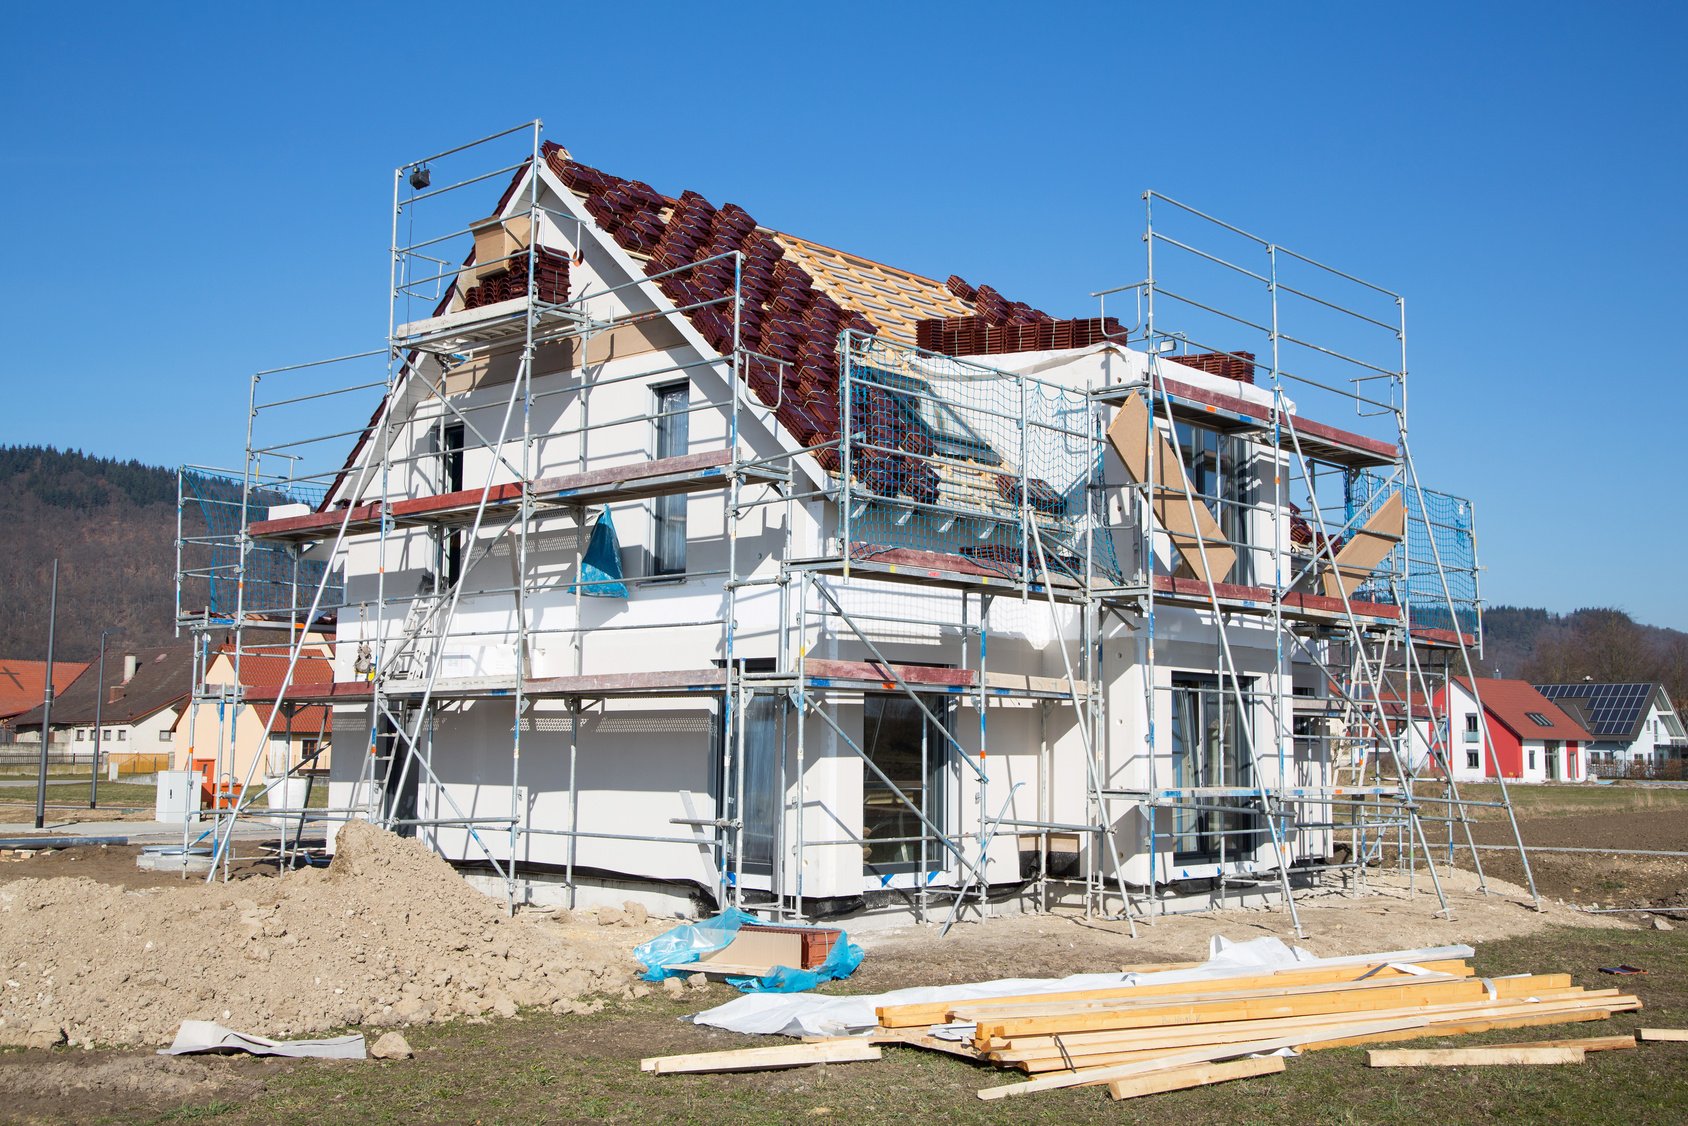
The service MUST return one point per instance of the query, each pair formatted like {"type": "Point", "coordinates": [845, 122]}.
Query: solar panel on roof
{"type": "Point", "coordinates": [1613, 709]}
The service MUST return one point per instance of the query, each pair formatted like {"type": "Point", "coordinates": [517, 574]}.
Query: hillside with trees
{"type": "Point", "coordinates": [112, 525]}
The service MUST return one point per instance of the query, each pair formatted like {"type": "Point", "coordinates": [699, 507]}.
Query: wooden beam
{"type": "Point", "coordinates": [1092, 1075]}
{"type": "Point", "coordinates": [1586, 1043]}
{"type": "Point", "coordinates": [1201, 1075]}
{"type": "Point", "coordinates": [764, 1059]}
{"type": "Point", "coordinates": [1257, 1008]}
{"type": "Point", "coordinates": [1367, 548]}
{"type": "Point", "coordinates": [1183, 516]}
{"type": "Point", "coordinates": [941, 1012]}
{"type": "Point", "coordinates": [1664, 1035]}
{"type": "Point", "coordinates": [1471, 1057]}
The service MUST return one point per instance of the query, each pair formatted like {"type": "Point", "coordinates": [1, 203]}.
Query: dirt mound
{"type": "Point", "coordinates": [388, 934]}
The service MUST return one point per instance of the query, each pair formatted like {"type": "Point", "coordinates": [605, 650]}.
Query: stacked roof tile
{"type": "Point", "coordinates": [790, 324]}
{"type": "Point", "coordinates": [1232, 365]}
{"type": "Point", "coordinates": [550, 270]}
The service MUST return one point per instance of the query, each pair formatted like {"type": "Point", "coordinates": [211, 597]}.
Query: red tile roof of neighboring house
{"type": "Point", "coordinates": [1515, 702]}
{"type": "Point", "coordinates": [161, 680]}
{"type": "Point", "coordinates": [269, 670]}
{"type": "Point", "coordinates": [23, 683]}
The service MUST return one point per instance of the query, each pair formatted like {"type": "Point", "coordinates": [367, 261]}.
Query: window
{"type": "Point", "coordinates": [81, 734]}
{"type": "Point", "coordinates": [923, 410]}
{"type": "Point", "coordinates": [1209, 748]}
{"type": "Point", "coordinates": [1471, 727]}
{"type": "Point", "coordinates": [1532, 758]}
{"type": "Point", "coordinates": [122, 734]}
{"type": "Point", "coordinates": [1539, 720]}
{"type": "Point", "coordinates": [914, 754]}
{"type": "Point", "coordinates": [1474, 760]}
{"type": "Point", "coordinates": [451, 481]}
{"type": "Point", "coordinates": [668, 516]}
{"type": "Point", "coordinates": [1217, 465]}
{"type": "Point", "coordinates": [165, 735]}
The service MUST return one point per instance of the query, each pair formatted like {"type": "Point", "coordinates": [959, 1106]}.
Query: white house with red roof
{"type": "Point", "coordinates": [1514, 731]}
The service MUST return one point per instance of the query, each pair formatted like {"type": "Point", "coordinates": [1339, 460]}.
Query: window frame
{"type": "Point", "coordinates": [670, 437]}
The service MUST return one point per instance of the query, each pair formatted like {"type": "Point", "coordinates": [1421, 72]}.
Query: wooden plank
{"type": "Point", "coordinates": [1367, 547]}
{"type": "Point", "coordinates": [964, 1012]}
{"type": "Point", "coordinates": [764, 1059]}
{"type": "Point", "coordinates": [939, 1012]}
{"type": "Point", "coordinates": [1315, 1032]}
{"type": "Point", "coordinates": [1092, 1075]}
{"type": "Point", "coordinates": [1586, 1043]}
{"type": "Point", "coordinates": [1471, 1057]}
{"type": "Point", "coordinates": [1664, 1035]}
{"type": "Point", "coordinates": [1183, 516]}
{"type": "Point", "coordinates": [1201, 1075]}
{"type": "Point", "coordinates": [1151, 1016]}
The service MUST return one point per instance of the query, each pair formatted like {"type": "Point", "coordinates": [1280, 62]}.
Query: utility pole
{"type": "Point", "coordinates": [47, 705]}
{"type": "Point", "coordinates": [99, 699]}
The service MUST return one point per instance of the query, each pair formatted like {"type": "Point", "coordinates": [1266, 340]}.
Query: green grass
{"type": "Point", "coordinates": [547, 1068]}
{"type": "Point", "coordinates": [1569, 799]}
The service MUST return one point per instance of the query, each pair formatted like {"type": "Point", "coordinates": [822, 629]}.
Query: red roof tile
{"type": "Point", "coordinates": [23, 683]}
{"type": "Point", "coordinates": [1514, 702]}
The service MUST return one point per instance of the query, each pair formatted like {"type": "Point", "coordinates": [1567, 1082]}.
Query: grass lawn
{"type": "Point", "coordinates": [545, 1068]}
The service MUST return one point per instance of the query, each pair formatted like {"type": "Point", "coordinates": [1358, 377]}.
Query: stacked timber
{"type": "Point", "coordinates": [1142, 1039]}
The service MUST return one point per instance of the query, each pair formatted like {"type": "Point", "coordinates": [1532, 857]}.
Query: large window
{"type": "Point", "coordinates": [1217, 465]}
{"type": "Point", "coordinates": [1209, 749]}
{"type": "Point", "coordinates": [668, 516]}
{"type": "Point", "coordinates": [914, 754]}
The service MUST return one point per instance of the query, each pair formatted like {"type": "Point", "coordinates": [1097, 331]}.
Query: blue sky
{"type": "Point", "coordinates": [195, 192]}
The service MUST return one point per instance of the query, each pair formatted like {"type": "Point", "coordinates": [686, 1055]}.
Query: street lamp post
{"type": "Point", "coordinates": [99, 699]}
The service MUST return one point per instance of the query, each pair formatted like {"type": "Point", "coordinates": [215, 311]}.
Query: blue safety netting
{"type": "Point", "coordinates": [1440, 545]}
{"type": "Point", "coordinates": [949, 457]}
{"type": "Point", "coordinates": [212, 564]}
{"type": "Point", "coordinates": [676, 952]}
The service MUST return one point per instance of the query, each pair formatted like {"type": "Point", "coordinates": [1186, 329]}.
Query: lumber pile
{"type": "Point", "coordinates": [1148, 1034]}
{"type": "Point", "coordinates": [1147, 1038]}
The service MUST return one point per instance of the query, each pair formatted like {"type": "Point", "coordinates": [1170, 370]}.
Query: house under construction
{"type": "Point", "coordinates": [666, 554]}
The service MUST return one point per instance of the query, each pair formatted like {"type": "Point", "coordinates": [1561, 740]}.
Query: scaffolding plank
{"type": "Point", "coordinates": [1183, 515]}
{"type": "Point", "coordinates": [1367, 548]}
{"type": "Point", "coordinates": [685, 473]}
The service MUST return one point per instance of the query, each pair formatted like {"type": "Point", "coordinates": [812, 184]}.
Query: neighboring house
{"type": "Point", "coordinates": [24, 683]}
{"type": "Point", "coordinates": [830, 666]}
{"type": "Point", "coordinates": [1517, 731]}
{"type": "Point", "coordinates": [144, 692]}
{"type": "Point", "coordinates": [220, 741]}
{"type": "Point", "coordinates": [1635, 726]}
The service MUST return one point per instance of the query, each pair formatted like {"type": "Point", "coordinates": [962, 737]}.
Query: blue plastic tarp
{"type": "Point", "coordinates": [600, 567]}
{"type": "Point", "coordinates": [675, 953]}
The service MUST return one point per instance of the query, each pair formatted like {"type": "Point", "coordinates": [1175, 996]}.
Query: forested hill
{"type": "Point", "coordinates": [1600, 644]}
{"type": "Point", "coordinates": [112, 525]}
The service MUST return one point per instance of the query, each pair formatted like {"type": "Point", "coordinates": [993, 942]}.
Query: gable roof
{"type": "Point", "coordinates": [797, 295]}
{"type": "Point", "coordinates": [23, 683]}
{"type": "Point", "coordinates": [1615, 711]}
{"type": "Point", "coordinates": [161, 681]}
{"type": "Point", "coordinates": [1516, 704]}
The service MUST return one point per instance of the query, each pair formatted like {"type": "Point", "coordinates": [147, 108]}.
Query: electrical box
{"type": "Point", "coordinates": [178, 795]}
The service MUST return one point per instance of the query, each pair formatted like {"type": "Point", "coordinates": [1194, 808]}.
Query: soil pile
{"type": "Point", "coordinates": [387, 934]}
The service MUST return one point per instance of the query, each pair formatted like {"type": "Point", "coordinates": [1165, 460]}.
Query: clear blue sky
{"type": "Point", "coordinates": [194, 192]}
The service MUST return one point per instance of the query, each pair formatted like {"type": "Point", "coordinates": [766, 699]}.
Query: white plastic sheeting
{"type": "Point", "coordinates": [807, 1014]}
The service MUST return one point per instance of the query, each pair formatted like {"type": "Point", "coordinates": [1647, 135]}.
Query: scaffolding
{"type": "Point", "coordinates": [988, 490]}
